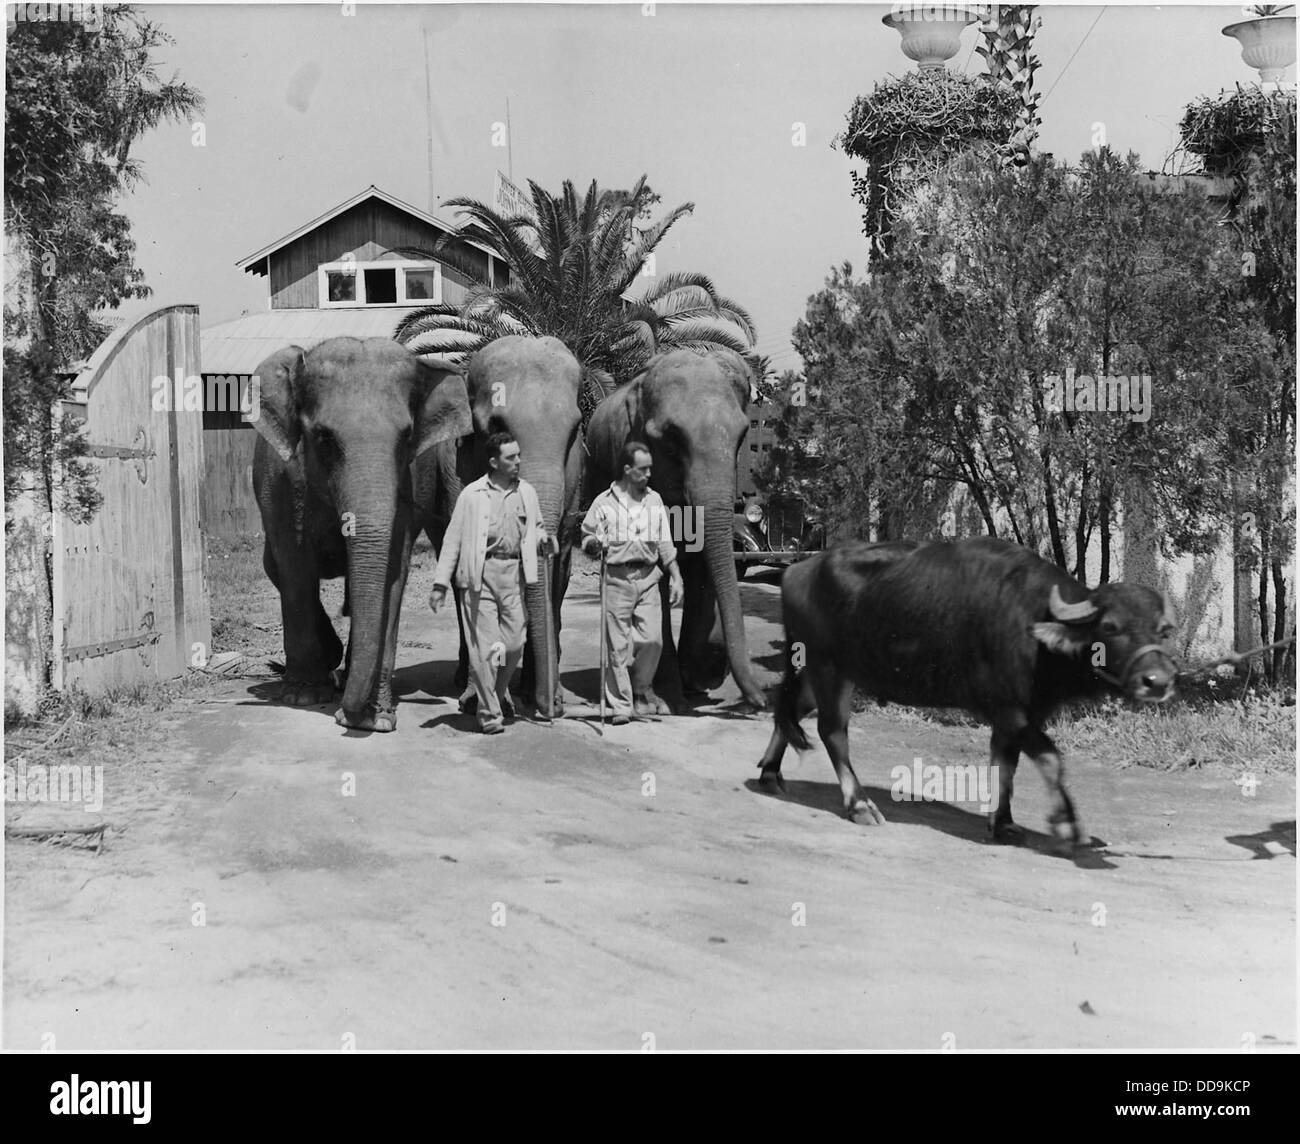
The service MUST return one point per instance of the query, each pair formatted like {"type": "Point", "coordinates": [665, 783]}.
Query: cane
{"type": "Point", "coordinates": [604, 649]}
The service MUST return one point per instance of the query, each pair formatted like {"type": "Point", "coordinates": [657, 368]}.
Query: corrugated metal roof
{"type": "Point", "coordinates": [241, 345]}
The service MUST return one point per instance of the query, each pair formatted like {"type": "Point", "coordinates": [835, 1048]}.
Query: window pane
{"type": "Point", "coordinates": [381, 286]}
{"type": "Point", "coordinates": [420, 284]}
{"type": "Point", "coordinates": [342, 285]}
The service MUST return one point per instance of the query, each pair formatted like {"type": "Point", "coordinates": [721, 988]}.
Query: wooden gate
{"type": "Point", "coordinates": [130, 588]}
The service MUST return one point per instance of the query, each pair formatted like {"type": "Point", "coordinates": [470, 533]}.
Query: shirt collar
{"type": "Point", "coordinates": [617, 492]}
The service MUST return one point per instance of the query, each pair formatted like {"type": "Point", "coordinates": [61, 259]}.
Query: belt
{"type": "Point", "coordinates": [503, 555]}
{"type": "Point", "coordinates": [634, 564]}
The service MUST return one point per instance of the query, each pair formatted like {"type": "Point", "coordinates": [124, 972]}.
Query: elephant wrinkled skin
{"type": "Point", "coordinates": [357, 454]}
{"type": "Point", "coordinates": [690, 409]}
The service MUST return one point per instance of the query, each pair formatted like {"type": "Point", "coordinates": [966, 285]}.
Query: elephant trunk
{"type": "Point", "coordinates": [718, 555]}
{"type": "Point", "coordinates": [543, 638]}
{"type": "Point", "coordinates": [375, 563]}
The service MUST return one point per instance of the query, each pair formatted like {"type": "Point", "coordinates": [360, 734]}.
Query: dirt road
{"type": "Point", "coordinates": [547, 888]}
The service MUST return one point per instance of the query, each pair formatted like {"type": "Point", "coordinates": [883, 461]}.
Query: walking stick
{"type": "Point", "coordinates": [604, 649]}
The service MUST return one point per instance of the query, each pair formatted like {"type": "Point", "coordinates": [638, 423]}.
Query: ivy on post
{"type": "Point", "coordinates": [909, 127]}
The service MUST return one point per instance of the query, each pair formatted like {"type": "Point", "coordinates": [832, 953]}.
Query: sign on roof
{"type": "Point", "coordinates": [509, 200]}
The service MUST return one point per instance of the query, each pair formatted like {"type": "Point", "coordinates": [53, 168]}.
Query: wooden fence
{"type": "Point", "coordinates": [229, 511]}
{"type": "Point", "coordinates": [130, 597]}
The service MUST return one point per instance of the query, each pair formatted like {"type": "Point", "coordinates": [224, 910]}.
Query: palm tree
{"type": "Point", "coordinates": [572, 268]}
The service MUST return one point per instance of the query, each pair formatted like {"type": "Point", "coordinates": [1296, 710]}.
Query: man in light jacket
{"type": "Point", "coordinates": [490, 551]}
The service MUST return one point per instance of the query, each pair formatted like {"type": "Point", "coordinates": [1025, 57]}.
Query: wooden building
{"type": "Point", "coordinates": [353, 271]}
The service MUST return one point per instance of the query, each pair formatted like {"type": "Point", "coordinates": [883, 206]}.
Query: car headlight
{"type": "Point", "coordinates": [754, 513]}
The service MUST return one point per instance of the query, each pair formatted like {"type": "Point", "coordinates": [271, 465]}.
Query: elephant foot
{"type": "Point", "coordinates": [296, 694]}
{"type": "Point", "coordinates": [368, 720]}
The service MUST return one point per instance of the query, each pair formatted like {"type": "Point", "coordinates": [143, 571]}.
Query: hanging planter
{"type": "Point", "coordinates": [1267, 43]}
{"type": "Point", "coordinates": [931, 32]}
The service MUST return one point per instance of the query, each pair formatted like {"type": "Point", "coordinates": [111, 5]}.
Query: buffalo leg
{"type": "Point", "coordinates": [1062, 818]}
{"type": "Point", "coordinates": [770, 779]}
{"type": "Point", "coordinates": [834, 698]}
{"type": "Point", "coordinates": [1004, 754]}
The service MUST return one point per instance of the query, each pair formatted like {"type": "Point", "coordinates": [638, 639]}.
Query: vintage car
{"type": "Point", "coordinates": [773, 532]}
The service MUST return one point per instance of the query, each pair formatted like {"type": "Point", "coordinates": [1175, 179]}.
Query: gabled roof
{"type": "Point", "coordinates": [256, 263]}
{"type": "Point", "coordinates": [242, 344]}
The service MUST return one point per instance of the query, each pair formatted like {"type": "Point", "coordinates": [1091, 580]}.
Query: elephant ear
{"type": "Point", "coordinates": [737, 372]}
{"type": "Point", "coordinates": [441, 404]}
{"type": "Point", "coordinates": [274, 409]}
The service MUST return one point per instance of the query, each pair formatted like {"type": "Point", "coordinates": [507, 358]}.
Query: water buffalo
{"type": "Point", "coordinates": [983, 625]}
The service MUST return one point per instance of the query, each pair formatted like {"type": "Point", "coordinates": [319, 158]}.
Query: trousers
{"type": "Point", "coordinates": [633, 632]}
{"type": "Point", "coordinates": [496, 626]}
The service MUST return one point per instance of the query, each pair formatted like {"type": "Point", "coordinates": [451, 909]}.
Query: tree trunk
{"type": "Point", "coordinates": [1103, 515]}
{"type": "Point", "coordinates": [1280, 606]}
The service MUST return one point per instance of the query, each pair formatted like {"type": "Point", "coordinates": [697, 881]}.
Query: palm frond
{"type": "Point", "coordinates": [691, 334]}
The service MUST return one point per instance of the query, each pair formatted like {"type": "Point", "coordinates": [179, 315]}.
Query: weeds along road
{"type": "Point", "coordinates": [547, 888]}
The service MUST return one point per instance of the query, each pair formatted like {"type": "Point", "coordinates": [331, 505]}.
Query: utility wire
{"type": "Point", "coordinates": [1075, 53]}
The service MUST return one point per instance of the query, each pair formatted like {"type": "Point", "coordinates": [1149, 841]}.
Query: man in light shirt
{"type": "Point", "coordinates": [629, 524]}
{"type": "Point", "coordinates": [490, 550]}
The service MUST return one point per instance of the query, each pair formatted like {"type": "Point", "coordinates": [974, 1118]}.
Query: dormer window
{"type": "Point", "coordinates": [389, 283]}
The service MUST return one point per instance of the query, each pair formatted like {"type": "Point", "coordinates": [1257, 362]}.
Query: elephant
{"type": "Point", "coordinates": [689, 408]}
{"type": "Point", "coordinates": [356, 454]}
{"type": "Point", "coordinates": [529, 387]}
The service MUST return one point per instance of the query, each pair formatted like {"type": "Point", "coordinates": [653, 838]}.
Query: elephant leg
{"type": "Point", "coordinates": [312, 650]}
{"type": "Point", "coordinates": [699, 607]}
{"type": "Point", "coordinates": [668, 680]}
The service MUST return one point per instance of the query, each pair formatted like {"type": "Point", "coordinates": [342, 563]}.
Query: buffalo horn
{"type": "Point", "coordinates": [1070, 613]}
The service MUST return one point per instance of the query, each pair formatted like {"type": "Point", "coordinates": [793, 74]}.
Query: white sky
{"type": "Point", "coordinates": [307, 106]}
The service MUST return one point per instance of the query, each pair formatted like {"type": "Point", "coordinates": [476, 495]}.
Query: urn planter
{"type": "Point", "coordinates": [1267, 44]}
{"type": "Point", "coordinates": [931, 32]}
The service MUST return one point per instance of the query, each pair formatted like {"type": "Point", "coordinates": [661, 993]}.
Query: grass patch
{"type": "Point", "coordinates": [1215, 725]}
{"type": "Point", "coordinates": [245, 604]}
{"type": "Point", "coordinates": [118, 725]}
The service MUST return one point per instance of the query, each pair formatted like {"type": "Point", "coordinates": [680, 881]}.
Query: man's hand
{"type": "Point", "coordinates": [674, 587]}
{"type": "Point", "coordinates": [594, 546]}
{"type": "Point", "coordinates": [438, 596]}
